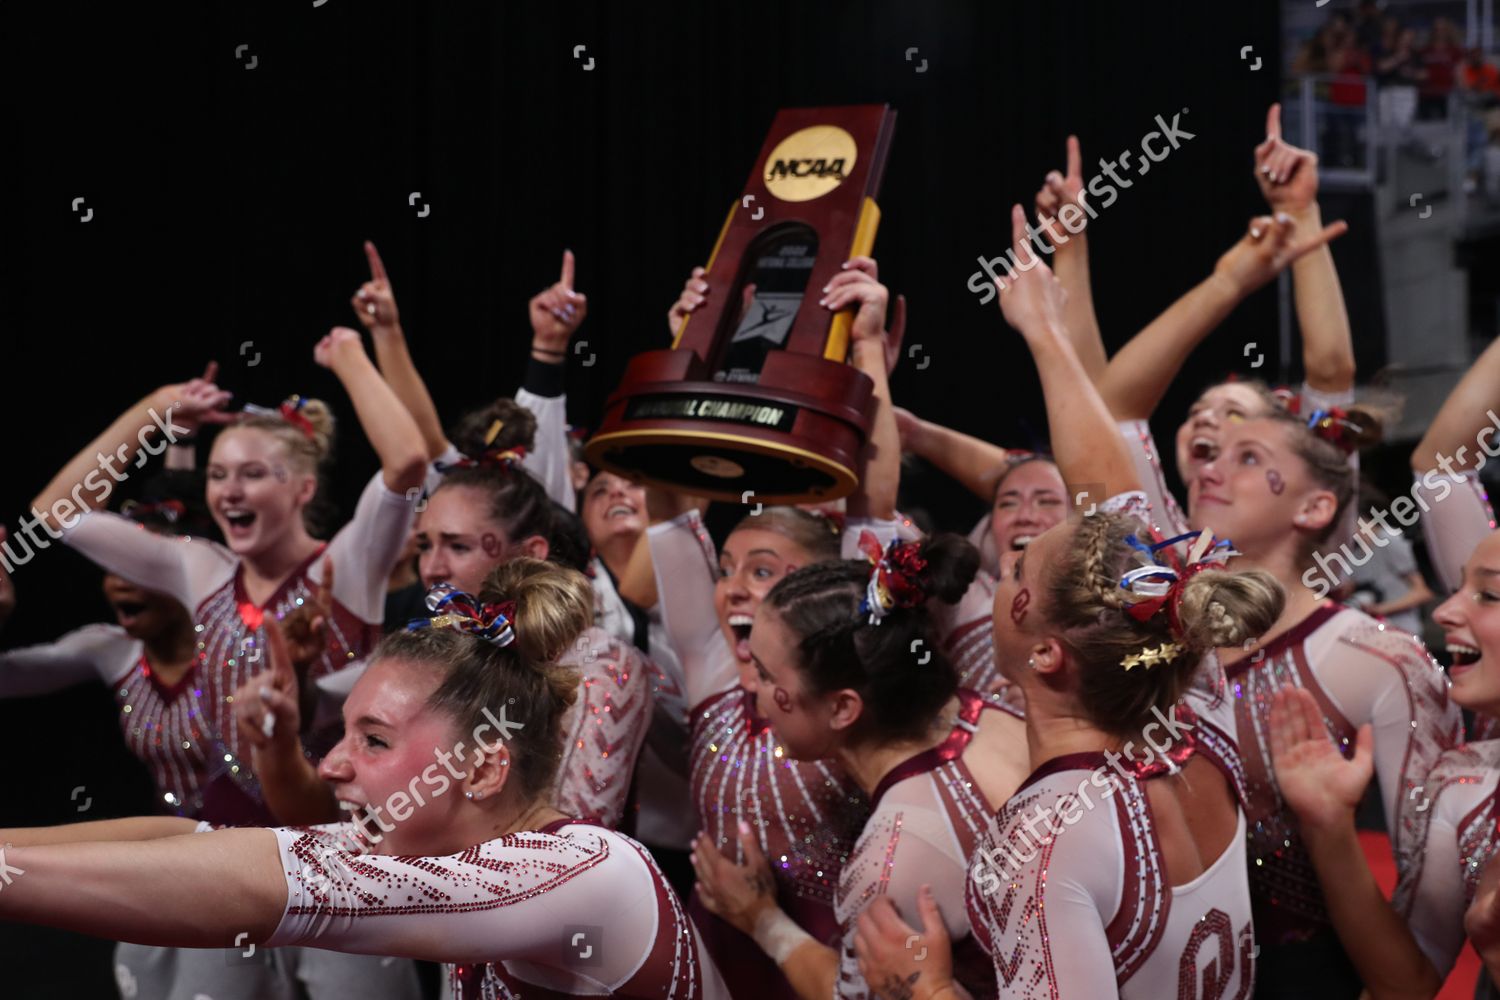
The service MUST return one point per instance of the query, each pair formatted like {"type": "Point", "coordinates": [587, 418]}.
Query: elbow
{"type": "Point", "coordinates": [406, 471]}
{"type": "Point", "coordinates": [1333, 372]}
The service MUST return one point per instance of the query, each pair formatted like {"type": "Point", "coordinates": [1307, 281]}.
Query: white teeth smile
{"type": "Point", "coordinates": [1021, 541]}
{"type": "Point", "coordinates": [1463, 655]}
{"type": "Point", "coordinates": [736, 620]}
{"type": "Point", "coordinates": [1202, 447]}
{"type": "Point", "coordinates": [620, 510]}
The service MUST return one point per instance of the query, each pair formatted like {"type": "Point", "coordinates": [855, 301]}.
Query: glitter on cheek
{"type": "Point", "coordinates": [1274, 480]}
{"type": "Point", "coordinates": [490, 542]}
{"type": "Point", "coordinates": [1019, 605]}
{"type": "Point", "coordinates": [279, 471]}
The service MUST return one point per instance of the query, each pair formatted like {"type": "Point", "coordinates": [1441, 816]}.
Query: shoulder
{"type": "Point", "coordinates": [896, 845]}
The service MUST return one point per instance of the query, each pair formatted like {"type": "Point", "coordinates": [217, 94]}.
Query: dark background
{"type": "Point", "coordinates": [229, 205]}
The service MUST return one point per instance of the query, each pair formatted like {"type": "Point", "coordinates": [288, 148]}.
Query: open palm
{"type": "Point", "coordinates": [1315, 779]}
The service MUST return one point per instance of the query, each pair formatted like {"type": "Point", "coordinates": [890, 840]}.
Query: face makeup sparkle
{"type": "Point", "coordinates": [1274, 480]}
{"type": "Point", "coordinates": [782, 699]}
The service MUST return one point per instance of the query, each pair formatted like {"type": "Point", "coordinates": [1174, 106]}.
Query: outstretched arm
{"type": "Point", "coordinates": [1086, 444]}
{"type": "Point", "coordinates": [129, 828]}
{"type": "Point", "coordinates": [386, 422]}
{"type": "Point", "coordinates": [375, 305]}
{"type": "Point", "coordinates": [197, 891]}
{"type": "Point", "coordinates": [1288, 178]}
{"type": "Point", "coordinates": [1141, 371]}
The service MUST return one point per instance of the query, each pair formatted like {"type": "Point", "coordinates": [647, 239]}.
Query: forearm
{"type": "Point", "coordinates": [129, 828]}
{"type": "Point", "coordinates": [638, 583]}
{"type": "Point", "coordinates": [293, 791]}
{"type": "Point", "coordinates": [181, 458]}
{"type": "Point", "coordinates": [394, 359]}
{"type": "Point", "coordinates": [1327, 345]}
{"type": "Point", "coordinates": [1139, 374]}
{"type": "Point", "coordinates": [389, 427]}
{"type": "Point", "coordinates": [1072, 269]}
{"type": "Point", "coordinates": [1413, 598]}
{"type": "Point", "coordinates": [208, 890]}
{"type": "Point", "coordinates": [1086, 442]}
{"type": "Point", "coordinates": [812, 970]}
{"type": "Point", "coordinates": [1452, 433]}
{"type": "Point", "coordinates": [1377, 941]}
{"type": "Point", "coordinates": [114, 449]}
{"type": "Point", "coordinates": [976, 465]}
{"type": "Point", "coordinates": [880, 480]}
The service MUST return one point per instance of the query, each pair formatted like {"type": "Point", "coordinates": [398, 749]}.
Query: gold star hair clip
{"type": "Point", "coordinates": [1150, 656]}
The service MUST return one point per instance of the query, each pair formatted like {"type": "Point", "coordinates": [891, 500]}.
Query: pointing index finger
{"type": "Point", "coordinates": [567, 270]}
{"type": "Point", "coordinates": [377, 267]}
{"type": "Point", "coordinates": [1075, 159]}
{"type": "Point", "coordinates": [1273, 122]}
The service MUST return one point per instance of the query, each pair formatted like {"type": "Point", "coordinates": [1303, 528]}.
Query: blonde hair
{"type": "Point", "coordinates": [1087, 606]}
{"type": "Point", "coordinates": [306, 451]}
{"type": "Point", "coordinates": [815, 534]}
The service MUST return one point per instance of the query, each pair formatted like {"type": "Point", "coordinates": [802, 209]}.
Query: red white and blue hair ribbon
{"type": "Point", "coordinates": [1334, 426]}
{"type": "Point", "coordinates": [1159, 586]}
{"type": "Point", "coordinates": [452, 608]}
{"type": "Point", "coordinates": [290, 411]}
{"type": "Point", "coordinates": [895, 576]}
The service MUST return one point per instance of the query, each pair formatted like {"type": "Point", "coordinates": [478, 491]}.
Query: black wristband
{"type": "Point", "coordinates": [545, 378]}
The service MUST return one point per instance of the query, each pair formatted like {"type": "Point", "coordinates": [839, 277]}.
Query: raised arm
{"type": "Point", "coordinates": [859, 284]}
{"type": "Point", "coordinates": [1141, 371]}
{"type": "Point", "coordinates": [1288, 178]}
{"type": "Point", "coordinates": [1086, 444]}
{"type": "Point", "coordinates": [269, 719]}
{"type": "Point", "coordinates": [974, 464]}
{"type": "Point", "coordinates": [1062, 211]}
{"type": "Point", "coordinates": [389, 427]}
{"type": "Point", "coordinates": [556, 313]}
{"type": "Point", "coordinates": [170, 412]}
{"type": "Point", "coordinates": [1451, 438]}
{"type": "Point", "coordinates": [375, 305]}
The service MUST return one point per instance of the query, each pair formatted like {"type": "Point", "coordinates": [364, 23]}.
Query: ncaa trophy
{"type": "Point", "coordinates": [754, 394]}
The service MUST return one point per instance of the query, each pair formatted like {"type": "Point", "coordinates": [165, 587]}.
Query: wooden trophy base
{"type": "Point", "coordinates": [793, 436]}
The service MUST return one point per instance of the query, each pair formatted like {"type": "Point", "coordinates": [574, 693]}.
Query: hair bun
{"type": "Point", "coordinates": [503, 425]}
{"type": "Point", "coordinates": [1221, 608]}
{"type": "Point", "coordinates": [952, 563]}
{"type": "Point", "coordinates": [553, 605]}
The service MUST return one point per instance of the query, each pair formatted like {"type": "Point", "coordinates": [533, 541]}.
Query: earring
{"type": "Point", "coordinates": [469, 796]}
{"type": "Point", "coordinates": [1031, 662]}
{"type": "Point", "coordinates": [478, 796]}
{"type": "Point", "coordinates": [505, 763]}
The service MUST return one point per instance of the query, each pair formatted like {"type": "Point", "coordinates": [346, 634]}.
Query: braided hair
{"type": "Point", "coordinates": [902, 684]}
{"type": "Point", "coordinates": [1089, 611]}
